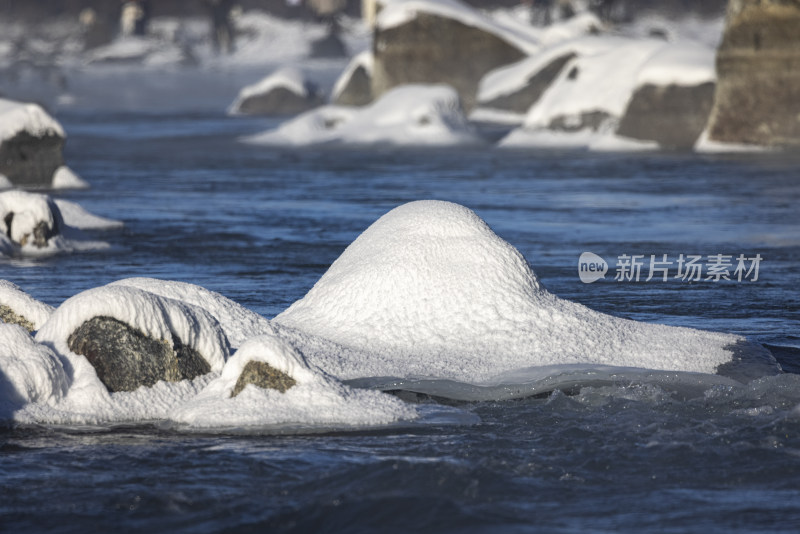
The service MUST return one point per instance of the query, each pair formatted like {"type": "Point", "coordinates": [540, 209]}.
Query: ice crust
{"type": "Point", "coordinates": [416, 115]}
{"type": "Point", "coordinates": [430, 291]}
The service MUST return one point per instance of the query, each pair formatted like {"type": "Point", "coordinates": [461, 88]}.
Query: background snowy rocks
{"type": "Point", "coordinates": [31, 144]}
{"type": "Point", "coordinates": [284, 92]}
{"type": "Point", "coordinates": [758, 63]}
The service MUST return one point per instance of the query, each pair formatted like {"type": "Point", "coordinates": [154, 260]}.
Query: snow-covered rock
{"type": "Point", "coordinates": [441, 41]}
{"type": "Point", "coordinates": [156, 319]}
{"type": "Point", "coordinates": [31, 144]}
{"type": "Point", "coordinates": [354, 86]}
{"type": "Point", "coordinates": [409, 115]}
{"type": "Point", "coordinates": [430, 291]}
{"type": "Point", "coordinates": [18, 307]}
{"type": "Point", "coordinates": [315, 398]}
{"type": "Point", "coordinates": [284, 92]}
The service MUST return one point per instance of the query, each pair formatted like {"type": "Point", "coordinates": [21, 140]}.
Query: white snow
{"type": "Point", "coordinates": [511, 78]}
{"type": "Point", "coordinates": [238, 323]}
{"type": "Point", "coordinates": [684, 63]}
{"type": "Point", "coordinates": [29, 210]}
{"type": "Point", "coordinates": [315, 399]}
{"type": "Point", "coordinates": [430, 291]}
{"type": "Point", "coordinates": [5, 183]}
{"type": "Point", "coordinates": [364, 60]}
{"type": "Point", "coordinates": [18, 117]}
{"type": "Point", "coordinates": [64, 178]}
{"type": "Point", "coordinates": [76, 216]}
{"type": "Point", "coordinates": [289, 78]}
{"type": "Point", "coordinates": [398, 12]}
{"type": "Point", "coordinates": [29, 373]}
{"type": "Point", "coordinates": [37, 313]}
{"type": "Point", "coordinates": [419, 115]}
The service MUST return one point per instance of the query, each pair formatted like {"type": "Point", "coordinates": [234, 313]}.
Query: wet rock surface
{"type": "Point", "coordinates": [126, 359]}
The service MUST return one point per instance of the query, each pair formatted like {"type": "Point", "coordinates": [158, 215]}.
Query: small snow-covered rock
{"type": "Point", "coordinates": [413, 115]}
{"type": "Point", "coordinates": [284, 92]}
{"type": "Point", "coordinates": [31, 144]}
{"type": "Point", "coordinates": [28, 219]}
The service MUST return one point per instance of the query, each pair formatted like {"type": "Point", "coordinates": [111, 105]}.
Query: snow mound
{"type": "Point", "coordinates": [23, 304]}
{"type": "Point", "coordinates": [430, 291]}
{"type": "Point", "coordinates": [29, 373]}
{"type": "Point", "coordinates": [238, 323]}
{"type": "Point", "coordinates": [18, 117]}
{"type": "Point", "coordinates": [155, 316]}
{"type": "Point", "coordinates": [315, 399]}
{"type": "Point", "coordinates": [413, 115]}
{"type": "Point", "coordinates": [288, 78]}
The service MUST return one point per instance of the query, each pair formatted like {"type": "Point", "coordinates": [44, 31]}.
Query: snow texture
{"type": "Point", "coordinates": [430, 291]}
{"type": "Point", "coordinates": [407, 115]}
{"type": "Point", "coordinates": [289, 78]}
{"type": "Point", "coordinates": [29, 373]}
{"type": "Point", "coordinates": [37, 313]}
{"type": "Point", "coordinates": [315, 399]}
{"type": "Point", "coordinates": [18, 117]}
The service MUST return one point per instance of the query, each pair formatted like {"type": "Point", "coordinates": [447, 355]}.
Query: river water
{"type": "Point", "coordinates": [261, 225]}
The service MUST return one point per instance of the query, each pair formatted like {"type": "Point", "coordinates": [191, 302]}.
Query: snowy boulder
{"type": "Point", "coordinates": [409, 116]}
{"type": "Point", "coordinates": [674, 97]}
{"type": "Point", "coordinates": [441, 41]}
{"type": "Point", "coordinates": [17, 307]}
{"type": "Point", "coordinates": [429, 290]}
{"type": "Point", "coordinates": [284, 92]}
{"type": "Point", "coordinates": [297, 394]}
{"type": "Point", "coordinates": [757, 99]}
{"type": "Point", "coordinates": [125, 338]}
{"type": "Point", "coordinates": [31, 144]}
{"type": "Point", "coordinates": [29, 220]}
{"type": "Point", "coordinates": [354, 86]}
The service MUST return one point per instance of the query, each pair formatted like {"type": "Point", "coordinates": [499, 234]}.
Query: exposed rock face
{"type": "Point", "coordinates": [278, 101]}
{"type": "Point", "coordinates": [126, 359]}
{"type": "Point", "coordinates": [592, 120]}
{"type": "Point", "coordinates": [758, 67]}
{"type": "Point", "coordinates": [521, 100]}
{"type": "Point", "coordinates": [431, 49]}
{"type": "Point", "coordinates": [9, 316]}
{"type": "Point", "coordinates": [674, 116]}
{"type": "Point", "coordinates": [263, 375]}
{"type": "Point", "coordinates": [30, 161]}
{"type": "Point", "coordinates": [356, 89]}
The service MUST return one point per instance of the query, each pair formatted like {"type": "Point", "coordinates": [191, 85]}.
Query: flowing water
{"type": "Point", "coordinates": [261, 225]}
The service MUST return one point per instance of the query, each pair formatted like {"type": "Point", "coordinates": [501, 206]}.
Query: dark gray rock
{"type": "Point", "coordinates": [126, 359]}
{"type": "Point", "coordinates": [431, 49]}
{"type": "Point", "coordinates": [263, 375]}
{"type": "Point", "coordinates": [9, 316]}
{"type": "Point", "coordinates": [521, 100]}
{"type": "Point", "coordinates": [673, 116]}
{"type": "Point", "coordinates": [757, 99]}
{"type": "Point", "coordinates": [279, 101]}
{"type": "Point", "coordinates": [29, 161]}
